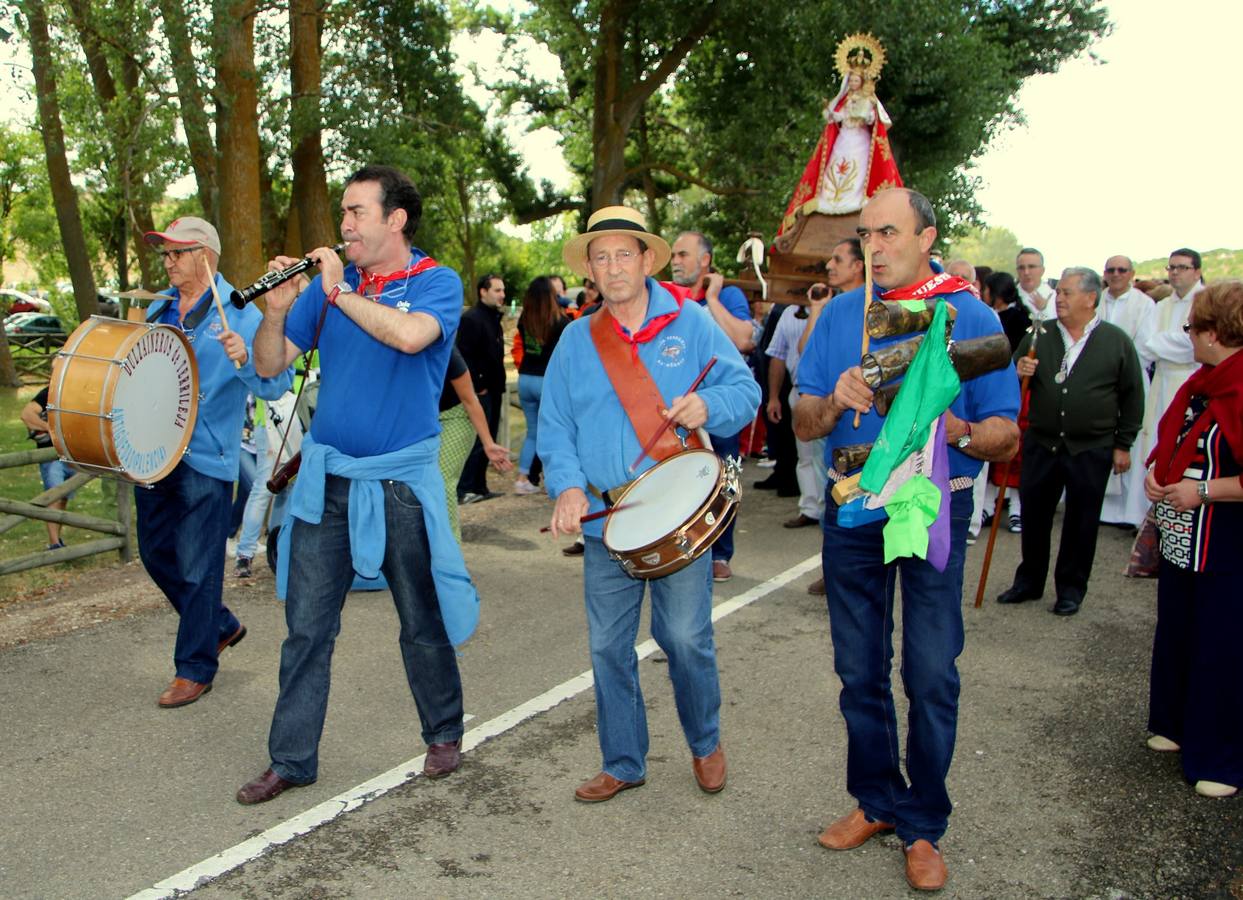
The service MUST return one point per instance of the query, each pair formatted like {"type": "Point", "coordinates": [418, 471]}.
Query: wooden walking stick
{"type": "Point", "coordinates": [867, 299]}
{"type": "Point", "coordinates": [1036, 330]}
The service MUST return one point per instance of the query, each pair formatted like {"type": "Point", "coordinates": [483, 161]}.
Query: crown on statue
{"type": "Point", "coordinates": [860, 53]}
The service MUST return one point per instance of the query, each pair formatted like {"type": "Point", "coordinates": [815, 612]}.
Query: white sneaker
{"type": "Point", "coordinates": [1162, 744]}
{"type": "Point", "coordinates": [1215, 789]}
{"type": "Point", "coordinates": [522, 486]}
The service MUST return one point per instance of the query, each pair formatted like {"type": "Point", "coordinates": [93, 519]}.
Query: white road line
{"type": "Point", "coordinates": [240, 854]}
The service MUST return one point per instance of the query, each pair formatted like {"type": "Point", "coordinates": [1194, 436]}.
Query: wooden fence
{"type": "Point", "coordinates": [19, 511]}
{"type": "Point", "coordinates": [33, 355]}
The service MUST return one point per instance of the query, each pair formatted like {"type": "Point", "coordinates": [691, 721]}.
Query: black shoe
{"type": "Point", "coordinates": [1065, 607]}
{"type": "Point", "coordinates": [768, 484]}
{"type": "Point", "coordinates": [1017, 595]}
{"type": "Point", "coordinates": [789, 491]}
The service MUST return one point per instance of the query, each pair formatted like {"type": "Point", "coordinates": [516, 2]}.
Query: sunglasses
{"type": "Point", "coordinates": [1116, 270]}
{"type": "Point", "coordinates": [173, 254]}
{"type": "Point", "coordinates": [1196, 326]}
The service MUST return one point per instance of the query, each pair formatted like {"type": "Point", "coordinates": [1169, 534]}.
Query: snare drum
{"type": "Point", "coordinates": [675, 510]}
{"type": "Point", "coordinates": [123, 399]}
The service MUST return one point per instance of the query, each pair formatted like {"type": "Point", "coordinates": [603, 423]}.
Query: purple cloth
{"type": "Point", "coordinates": [939, 530]}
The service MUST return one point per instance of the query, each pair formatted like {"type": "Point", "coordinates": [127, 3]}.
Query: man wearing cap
{"type": "Point", "coordinates": [183, 520]}
{"type": "Point", "coordinates": [588, 440]}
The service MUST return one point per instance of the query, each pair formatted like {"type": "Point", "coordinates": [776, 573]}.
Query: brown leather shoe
{"type": "Point", "coordinates": [800, 521]}
{"type": "Point", "coordinates": [442, 759]}
{"type": "Point", "coordinates": [925, 869]}
{"type": "Point", "coordinates": [816, 588]}
{"type": "Point", "coordinates": [603, 787]}
{"type": "Point", "coordinates": [851, 831]}
{"type": "Point", "coordinates": [182, 692]}
{"type": "Point", "coordinates": [232, 640]}
{"type": "Point", "coordinates": [575, 549]}
{"type": "Point", "coordinates": [264, 788]}
{"type": "Point", "coordinates": [710, 770]}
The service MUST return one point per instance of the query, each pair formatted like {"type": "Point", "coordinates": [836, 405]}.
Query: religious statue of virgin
{"type": "Point", "coordinates": [852, 160]}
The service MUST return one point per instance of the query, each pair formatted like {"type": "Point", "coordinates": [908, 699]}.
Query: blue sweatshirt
{"type": "Point", "coordinates": [584, 436]}
{"type": "Point", "coordinates": [216, 441]}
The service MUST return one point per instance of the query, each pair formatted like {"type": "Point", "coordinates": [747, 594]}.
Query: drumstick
{"type": "Point", "coordinates": [595, 515]}
{"type": "Point", "coordinates": [647, 448]}
{"type": "Point", "coordinates": [867, 298]}
{"type": "Point", "coordinates": [211, 279]}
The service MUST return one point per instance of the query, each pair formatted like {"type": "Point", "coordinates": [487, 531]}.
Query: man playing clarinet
{"type": "Point", "coordinates": [898, 228]}
{"type": "Point", "coordinates": [369, 499]}
{"type": "Point", "coordinates": [592, 426]}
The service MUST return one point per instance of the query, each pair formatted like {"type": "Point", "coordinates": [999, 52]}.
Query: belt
{"type": "Point", "coordinates": [958, 483]}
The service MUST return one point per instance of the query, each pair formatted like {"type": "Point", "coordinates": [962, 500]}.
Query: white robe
{"type": "Point", "coordinates": [1125, 501]}
{"type": "Point", "coordinates": [1170, 347]}
{"type": "Point", "coordinates": [1036, 312]}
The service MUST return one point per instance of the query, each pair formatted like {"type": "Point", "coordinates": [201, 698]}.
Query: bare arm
{"type": "Point", "coordinates": [32, 417]}
{"type": "Point", "coordinates": [739, 331]}
{"type": "Point", "coordinates": [776, 381]}
{"type": "Point", "coordinates": [995, 439]}
{"type": "Point", "coordinates": [815, 417]}
{"type": "Point", "coordinates": [465, 391]}
{"type": "Point", "coordinates": [408, 332]}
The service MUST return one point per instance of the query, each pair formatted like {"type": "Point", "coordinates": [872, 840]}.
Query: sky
{"type": "Point", "coordinates": [1134, 153]}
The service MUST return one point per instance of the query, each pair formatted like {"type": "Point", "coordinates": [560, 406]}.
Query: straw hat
{"type": "Point", "coordinates": [613, 220]}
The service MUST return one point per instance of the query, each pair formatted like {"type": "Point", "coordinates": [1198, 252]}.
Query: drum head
{"type": "Point", "coordinates": [662, 500]}
{"type": "Point", "coordinates": [154, 405]}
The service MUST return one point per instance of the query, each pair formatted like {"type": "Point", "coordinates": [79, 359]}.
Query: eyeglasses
{"type": "Point", "coordinates": [1179, 268]}
{"type": "Point", "coordinates": [1196, 326]}
{"type": "Point", "coordinates": [621, 257]}
{"type": "Point", "coordinates": [173, 254]}
{"type": "Point", "coordinates": [1116, 270]}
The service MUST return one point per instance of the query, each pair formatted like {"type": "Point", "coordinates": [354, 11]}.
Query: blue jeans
{"type": "Point", "coordinates": [860, 590]}
{"type": "Point", "coordinates": [183, 525]}
{"type": "Point", "coordinates": [723, 547]}
{"type": "Point", "coordinates": [530, 387]}
{"type": "Point", "coordinates": [681, 625]}
{"type": "Point", "coordinates": [257, 500]}
{"type": "Point", "coordinates": [55, 473]}
{"type": "Point", "coordinates": [320, 575]}
{"type": "Point", "coordinates": [247, 462]}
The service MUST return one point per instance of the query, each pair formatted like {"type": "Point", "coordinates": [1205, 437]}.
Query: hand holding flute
{"type": "Point", "coordinates": [279, 283]}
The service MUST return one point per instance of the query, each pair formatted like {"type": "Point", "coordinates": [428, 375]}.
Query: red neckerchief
{"type": "Point", "coordinates": [377, 282]}
{"type": "Point", "coordinates": [939, 283]}
{"type": "Point", "coordinates": [648, 331]}
{"type": "Point", "coordinates": [1223, 385]}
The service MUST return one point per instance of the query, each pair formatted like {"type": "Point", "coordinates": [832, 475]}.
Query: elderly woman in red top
{"type": "Point", "coordinates": [1196, 482]}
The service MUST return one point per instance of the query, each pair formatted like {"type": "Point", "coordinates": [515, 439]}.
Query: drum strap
{"type": "Point", "coordinates": [635, 388]}
{"type": "Point", "coordinates": [193, 318]}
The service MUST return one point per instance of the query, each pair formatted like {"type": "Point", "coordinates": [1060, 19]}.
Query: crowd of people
{"type": "Point", "coordinates": [1131, 408]}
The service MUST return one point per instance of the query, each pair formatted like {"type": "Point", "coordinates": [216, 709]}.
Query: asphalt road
{"type": "Point", "coordinates": [1055, 794]}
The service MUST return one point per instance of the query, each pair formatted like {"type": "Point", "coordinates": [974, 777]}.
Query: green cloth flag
{"type": "Point", "coordinates": [930, 386]}
{"type": "Point", "coordinates": [911, 510]}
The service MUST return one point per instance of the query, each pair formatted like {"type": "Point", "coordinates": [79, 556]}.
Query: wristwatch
{"type": "Point", "coordinates": [341, 287]}
{"type": "Point", "coordinates": [965, 441]}
{"type": "Point", "coordinates": [1202, 490]}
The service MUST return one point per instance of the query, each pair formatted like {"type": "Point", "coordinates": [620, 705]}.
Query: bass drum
{"type": "Point", "coordinates": [123, 399]}
{"type": "Point", "coordinates": [674, 512]}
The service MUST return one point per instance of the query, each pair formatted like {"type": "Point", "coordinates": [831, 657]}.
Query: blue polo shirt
{"type": "Point", "coordinates": [375, 398]}
{"type": "Point", "coordinates": [834, 347]}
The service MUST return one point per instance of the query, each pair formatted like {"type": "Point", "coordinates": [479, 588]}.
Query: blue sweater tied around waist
{"type": "Point", "coordinates": [417, 466]}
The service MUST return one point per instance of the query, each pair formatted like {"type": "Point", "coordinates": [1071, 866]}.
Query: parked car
{"type": "Point", "coordinates": [34, 323]}
{"type": "Point", "coordinates": [16, 301]}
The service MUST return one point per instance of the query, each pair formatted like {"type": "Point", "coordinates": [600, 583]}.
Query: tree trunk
{"type": "Point", "coordinates": [237, 141]}
{"type": "Point", "coordinates": [468, 245]}
{"type": "Point", "coordinates": [310, 181]}
{"type": "Point", "coordinates": [8, 374]}
{"type": "Point", "coordinates": [64, 195]}
{"type": "Point", "coordinates": [193, 106]}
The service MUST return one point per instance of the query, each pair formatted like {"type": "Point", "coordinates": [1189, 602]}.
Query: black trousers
{"type": "Point", "coordinates": [474, 478]}
{"type": "Point", "coordinates": [1046, 473]}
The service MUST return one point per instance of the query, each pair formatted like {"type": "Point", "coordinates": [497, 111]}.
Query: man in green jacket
{"type": "Point", "coordinates": [1087, 405]}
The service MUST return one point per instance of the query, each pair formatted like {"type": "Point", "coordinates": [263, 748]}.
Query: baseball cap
{"type": "Point", "coordinates": [187, 230]}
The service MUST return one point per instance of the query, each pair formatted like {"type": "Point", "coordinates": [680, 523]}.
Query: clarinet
{"type": "Point", "coordinates": [240, 298]}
